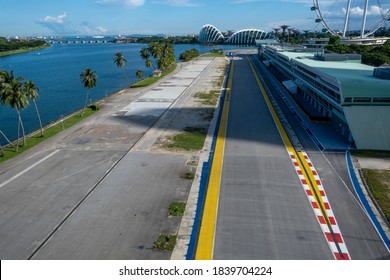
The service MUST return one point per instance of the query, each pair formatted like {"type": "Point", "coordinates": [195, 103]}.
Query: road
{"type": "Point", "coordinates": [361, 237]}
{"type": "Point", "coordinates": [263, 212]}
{"type": "Point", "coordinates": [98, 190]}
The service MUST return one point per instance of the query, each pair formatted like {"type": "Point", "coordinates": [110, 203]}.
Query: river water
{"type": "Point", "coordinates": [56, 71]}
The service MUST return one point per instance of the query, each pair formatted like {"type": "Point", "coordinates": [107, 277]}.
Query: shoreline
{"type": "Point", "coordinates": [60, 120]}
{"type": "Point", "coordinates": [24, 50]}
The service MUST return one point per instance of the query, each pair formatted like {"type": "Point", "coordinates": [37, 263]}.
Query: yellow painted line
{"type": "Point", "coordinates": [311, 182]}
{"type": "Point", "coordinates": [279, 125]}
{"type": "Point", "coordinates": [205, 246]}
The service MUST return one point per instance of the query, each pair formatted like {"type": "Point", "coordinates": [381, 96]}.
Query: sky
{"type": "Point", "coordinates": [171, 17]}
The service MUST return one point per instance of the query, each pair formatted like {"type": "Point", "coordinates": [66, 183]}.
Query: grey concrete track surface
{"type": "Point", "coordinates": [91, 196]}
{"type": "Point", "coordinates": [360, 236]}
{"type": "Point", "coordinates": [263, 211]}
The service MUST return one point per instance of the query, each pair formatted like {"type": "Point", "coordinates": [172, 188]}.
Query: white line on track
{"type": "Point", "coordinates": [28, 169]}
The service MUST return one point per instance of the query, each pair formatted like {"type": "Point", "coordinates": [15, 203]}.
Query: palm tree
{"type": "Point", "coordinates": [155, 49]}
{"type": "Point", "coordinates": [149, 63]}
{"type": "Point", "coordinates": [120, 61]}
{"type": "Point", "coordinates": [167, 57]}
{"type": "Point", "coordinates": [139, 74]}
{"type": "Point", "coordinates": [12, 94]}
{"type": "Point", "coordinates": [1, 147]}
{"type": "Point", "coordinates": [145, 55]}
{"type": "Point", "coordinates": [31, 90]}
{"type": "Point", "coordinates": [88, 78]}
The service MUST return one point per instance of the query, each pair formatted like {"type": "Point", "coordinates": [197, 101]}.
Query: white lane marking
{"type": "Point", "coordinates": [28, 169]}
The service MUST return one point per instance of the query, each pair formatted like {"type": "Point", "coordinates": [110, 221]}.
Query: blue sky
{"type": "Point", "coordinates": [173, 17]}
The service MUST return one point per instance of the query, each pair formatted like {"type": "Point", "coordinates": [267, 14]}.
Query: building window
{"type": "Point", "coordinates": [381, 100]}
{"type": "Point", "coordinates": [362, 99]}
{"type": "Point", "coordinates": [348, 99]}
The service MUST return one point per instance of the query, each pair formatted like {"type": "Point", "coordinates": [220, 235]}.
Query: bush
{"type": "Point", "coordinates": [189, 54]}
{"type": "Point", "coordinates": [166, 242]}
{"type": "Point", "coordinates": [94, 107]}
{"type": "Point", "coordinates": [177, 208]}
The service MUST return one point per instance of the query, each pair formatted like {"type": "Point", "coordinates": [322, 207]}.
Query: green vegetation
{"type": "Point", "coordinates": [208, 114]}
{"type": "Point", "coordinates": [120, 62]}
{"type": "Point", "coordinates": [379, 184]}
{"type": "Point", "coordinates": [9, 47]}
{"type": "Point", "coordinates": [208, 99]}
{"type": "Point", "coordinates": [10, 152]}
{"type": "Point", "coordinates": [88, 78]}
{"type": "Point", "coordinates": [94, 107]}
{"type": "Point", "coordinates": [371, 153]}
{"type": "Point", "coordinates": [16, 93]}
{"type": "Point", "coordinates": [177, 208]}
{"type": "Point", "coordinates": [371, 54]}
{"type": "Point", "coordinates": [189, 55]}
{"type": "Point", "coordinates": [166, 242]}
{"type": "Point", "coordinates": [192, 139]}
{"type": "Point", "coordinates": [13, 94]}
{"type": "Point", "coordinates": [169, 40]}
{"type": "Point", "coordinates": [188, 175]}
{"type": "Point", "coordinates": [163, 54]}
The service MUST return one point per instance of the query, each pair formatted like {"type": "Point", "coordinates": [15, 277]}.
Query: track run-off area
{"type": "Point", "coordinates": [266, 197]}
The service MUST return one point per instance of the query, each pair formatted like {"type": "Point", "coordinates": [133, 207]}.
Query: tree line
{"type": "Point", "coordinates": [168, 40]}
{"type": "Point", "coordinates": [375, 55]}
{"type": "Point", "coordinates": [12, 45]}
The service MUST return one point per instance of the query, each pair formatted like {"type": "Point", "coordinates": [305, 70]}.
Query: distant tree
{"type": "Point", "coordinates": [120, 61]}
{"type": "Point", "coordinates": [31, 90]}
{"type": "Point", "coordinates": [163, 54]}
{"type": "Point", "coordinates": [139, 74]}
{"type": "Point", "coordinates": [88, 78]}
{"type": "Point", "coordinates": [375, 59]}
{"type": "Point", "coordinates": [334, 40]}
{"type": "Point", "coordinates": [145, 55]}
{"type": "Point", "coordinates": [189, 54]}
{"type": "Point", "coordinates": [167, 58]}
{"type": "Point", "coordinates": [338, 48]}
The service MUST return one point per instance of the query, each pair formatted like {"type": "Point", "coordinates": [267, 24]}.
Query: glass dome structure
{"type": "Point", "coordinates": [210, 34]}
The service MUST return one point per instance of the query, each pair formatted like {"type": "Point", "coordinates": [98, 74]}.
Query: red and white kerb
{"type": "Point", "coordinates": [335, 240]}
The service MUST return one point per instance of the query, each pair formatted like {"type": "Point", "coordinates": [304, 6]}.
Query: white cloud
{"type": "Point", "coordinates": [57, 24]}
{"type": "Point", "coordinates": [56, 20]}
{"type": "Point", "coordinates": [131, 3]}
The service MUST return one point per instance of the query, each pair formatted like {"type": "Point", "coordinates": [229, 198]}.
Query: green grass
{"type": "Point", "coordinates": [370, 153]}
{"type": "Point", "coordinates": [177, 209]}
{"type": "Point", "coordinates": [165, 242]}
{"type": "Point", "coordinates": [192, 139]}
{"type": "Point", "coordinates": [151, 80]}
{"type": "Point", "coordinates": [35, 139]}
{"type": "Point", "coordinates": [208, 99]}
{"type": "Point", "coordinates": [188, 175]}
{"type": "Point", "coordinates": [379, 184]}
{"type": "Point", "coordinates": [213, 55]}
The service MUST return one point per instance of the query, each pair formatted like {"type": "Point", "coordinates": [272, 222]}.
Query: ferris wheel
{"type": "Point", "coordinates": [342, 17]}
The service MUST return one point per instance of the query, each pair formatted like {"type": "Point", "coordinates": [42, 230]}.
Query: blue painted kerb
{"type": "Point", "coordinates": [364, 201]}
{"type": "Point", "coordinates": [204, 180]}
